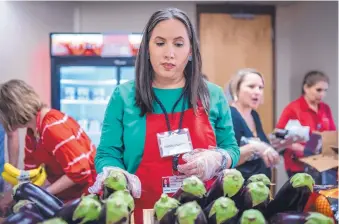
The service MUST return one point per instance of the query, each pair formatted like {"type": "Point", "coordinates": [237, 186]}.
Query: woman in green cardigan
{"type": "Point", "coordinates": [167, 111]}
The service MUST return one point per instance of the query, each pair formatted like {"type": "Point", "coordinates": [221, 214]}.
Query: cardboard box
{"type": "Point", "coordinates": [328, 158]}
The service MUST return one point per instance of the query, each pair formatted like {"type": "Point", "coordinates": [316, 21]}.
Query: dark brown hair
{"type": "Point", "coordinates": [313, 77]}
{"type": "Point", "coordinates": [196, 87]}
{"type": "Point", "coordinates": [204, 76]}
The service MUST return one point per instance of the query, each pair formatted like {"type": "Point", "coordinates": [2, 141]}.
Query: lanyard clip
{"type": "Point", "coordinates": [175, 162]}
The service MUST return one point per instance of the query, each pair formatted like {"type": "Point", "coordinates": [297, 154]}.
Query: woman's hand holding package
{"type": "Point", "coordinates": [266, 152]}
{"type": "Point", "coordinates": [202, 163]}
{"type": "Point", "coordinates": [296, 134]}
{"type": "Point", "coordinates": [280, 144]}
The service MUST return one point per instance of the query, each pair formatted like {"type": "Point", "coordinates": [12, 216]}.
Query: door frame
{"type": "Point", "coordinates": [231, 8]}
{"type": "Point", "coordinates": [234, 8]}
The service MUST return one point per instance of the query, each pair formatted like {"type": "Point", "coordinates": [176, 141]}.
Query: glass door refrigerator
{"type": "Point", "coordinates": [85, 69]}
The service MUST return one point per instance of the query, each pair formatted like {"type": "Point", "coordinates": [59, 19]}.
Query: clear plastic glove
{"type": "Point", "coordinates": [202, 163]}
{"type": "Point", "coordinates": [291, 138]}
{"type": "Point", "coordinates": [296, 133]}
{"type": "Point", "coordinates": [134, 184]}
{"type": "Point", "coordinates": [259, 146]}
{"type": "Point", "coordinates": [281, 144]}
{"type": "Point", "coordinates": [266, 152]}
{"type": "Point", "coordinates": [296, 129]}
{"type": "Point", "coordinates": [270, 157]}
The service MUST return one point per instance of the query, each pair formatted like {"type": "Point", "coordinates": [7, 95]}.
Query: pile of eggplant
{"type": "Point", "coordinates": [232, 200]}
{"type": "Point", "coordinates": [35, 205]}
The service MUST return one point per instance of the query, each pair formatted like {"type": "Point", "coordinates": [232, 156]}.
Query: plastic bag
{"type": "Point", "coordinates": [203, 163]}
{"type": "Point", "coordinates": [324, 200]}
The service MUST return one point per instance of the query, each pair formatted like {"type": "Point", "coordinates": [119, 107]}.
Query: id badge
{"type": "Point", "coordinates": [174, 143]}
{"type": "Point", "coordinates": [171, 184]}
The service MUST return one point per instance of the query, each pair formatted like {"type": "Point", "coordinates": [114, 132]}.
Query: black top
{"type": "Point", "coordinates": [257, 166]}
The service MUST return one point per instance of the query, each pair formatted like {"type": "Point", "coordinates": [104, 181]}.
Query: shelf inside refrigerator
{"type": "Point", "coordinates": [84, 94]}
{"type": "Point", "coordinates": [89, 82]}
{"type": "Point", "coordinates": [84, 102]}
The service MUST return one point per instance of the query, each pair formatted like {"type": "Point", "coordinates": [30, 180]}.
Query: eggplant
{"type": "Point", "coordinates": [164, 210]}
{"type": "Point", "coordinates": [256, 196]}
{"type": "Point", "coordinates": [66, 212]}
{"type": "Point", "coordinates": [292, 196]}
{"type": "Point", "coordinates": [221, 211]}
{"type": "Point", "coordinates": [25, 217]}
{"type": "Point", "coordinates": [252, 216]}
{"type": "Point", "coordinates": [126, 196]}
{"type": "Point", "coordinates": [54, 221]}
{"type": "Point", "coordinates": [190, 213]}
{"type": "Point", "coordinates": [229, 183]}
{"type": "Point", "coordinates": [47, 203]}
{"type": "Point", "coordinates": [115, 211]}
{"type": "Point", "coordinates": [300, 218]}
{"type": "Point", "coordinates": [192, 189]}
{"type": "Point", "coordinates": [82, 210]}
{"type": "Point", "coordinates": [259, 178]}
{"type": "Point", "coordinates": [115, 181]}
{"type": "Point", "coordinates": [25, 205]}
{"type": "Point", "coordinates": [88, 209]}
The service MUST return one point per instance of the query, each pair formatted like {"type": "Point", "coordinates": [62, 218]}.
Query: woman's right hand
{"type": "Point", "coordinates": [133, 181]}
{"type": "Point", "coordinates": [270, 157]}
{"type": "Point", "coordinates": [266, 152]}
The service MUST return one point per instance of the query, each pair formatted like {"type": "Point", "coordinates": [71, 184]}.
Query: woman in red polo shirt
{"type": "Point", "coordinates": [310, 111]}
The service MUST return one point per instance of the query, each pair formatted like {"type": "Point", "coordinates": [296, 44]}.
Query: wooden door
{"type": "Point", "coordinates": [229, 44]}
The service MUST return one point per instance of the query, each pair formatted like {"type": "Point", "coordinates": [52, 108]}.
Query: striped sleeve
{"type": "Point", "coordinates": [29, 162]}
{"type": "Point", "coordinates": [71, 147]}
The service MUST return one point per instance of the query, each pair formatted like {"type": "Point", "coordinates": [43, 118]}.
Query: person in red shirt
{"type": "Point", "coordinates": [310, 111]}
{"type": "Point", "coordinates": [53, 139]}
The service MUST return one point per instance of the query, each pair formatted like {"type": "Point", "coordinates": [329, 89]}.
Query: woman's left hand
{"type": "Point", "coordinates": [280, 144]}
{"type": "Point", "coordinates": [202, 163]}
{"type": "Point", "coordinates": [270, 157]}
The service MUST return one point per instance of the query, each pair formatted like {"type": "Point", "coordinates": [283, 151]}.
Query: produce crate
{"type": "Point", "coordinates": [147, 216]}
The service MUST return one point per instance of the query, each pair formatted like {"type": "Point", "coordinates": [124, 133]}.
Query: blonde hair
{"type": "Point", "coordinates": [232, 89]}
{"type": "Point", "coordinates": [19, 104]}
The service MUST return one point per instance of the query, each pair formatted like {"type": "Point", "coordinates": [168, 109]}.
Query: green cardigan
{"type": "Point", "coordinates": [123, 132]}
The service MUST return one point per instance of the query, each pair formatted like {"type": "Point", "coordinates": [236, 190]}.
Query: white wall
{"type": "Point", "coordinates": [306, 39]}
{"type": "Point", "coordinates": [24, 42]}
{"type": "Point", "coordinates": [315, 45]}
{"type": "Point", "coordinates": [126, 16]}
